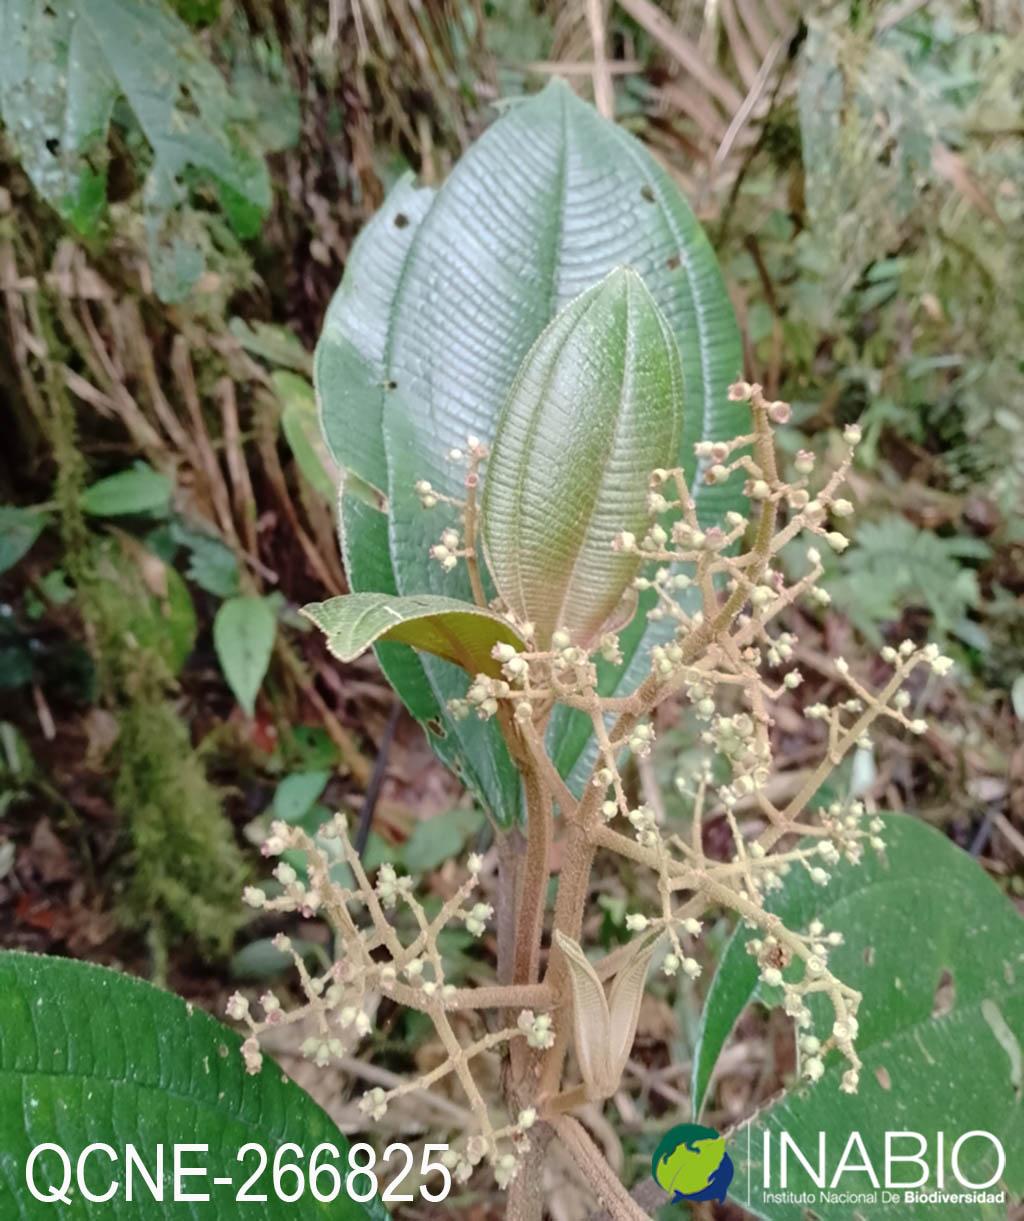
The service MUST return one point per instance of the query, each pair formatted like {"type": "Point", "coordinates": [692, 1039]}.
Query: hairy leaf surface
{"type": "Point", "coordinates": [596, 406]}
{"type": "Point", "coordinates": [485, 271]}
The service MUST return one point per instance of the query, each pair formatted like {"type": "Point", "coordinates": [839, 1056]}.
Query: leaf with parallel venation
{"type": "Point", "coordinates": [484, 272]}
{"type": "Point", "coordinates": [457, 632]}
{"type": "Point", "coordinates": [596, 406]}
{"type": "Point", "coordinates": [348, 366]}
{"type": "Point", "coordinates": [604, 1027]}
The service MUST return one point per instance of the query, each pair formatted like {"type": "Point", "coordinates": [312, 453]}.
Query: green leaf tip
{"type": "Point", "coordinates": [455, 631]}
{"type": "Point", "coordinates": [596, 406]}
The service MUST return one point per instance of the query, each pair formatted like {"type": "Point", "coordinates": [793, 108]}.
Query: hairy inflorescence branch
{"type": "Point", "coordinates": [715, 593]}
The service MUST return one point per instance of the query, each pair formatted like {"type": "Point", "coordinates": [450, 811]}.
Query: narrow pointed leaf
{"type": "Point", "coordinates": [596, 406]}
{"type": "Point", "coordinates": [454, 631]}
{"type": "Point", "coordinates": [627, 994]}
{"type": "Point", "coordinates": [591, 1019]}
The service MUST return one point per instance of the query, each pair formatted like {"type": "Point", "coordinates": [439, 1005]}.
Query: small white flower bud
{"type": "Point", "coordinates": [237, 1007]}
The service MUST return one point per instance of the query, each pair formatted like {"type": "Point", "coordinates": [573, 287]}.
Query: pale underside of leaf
{"type": "Point", "coordinates": [604, 1027]}
{"type": "Point", "coordinates": [595, 407]}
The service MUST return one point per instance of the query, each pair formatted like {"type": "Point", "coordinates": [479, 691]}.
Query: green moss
{"type": "Point", "coordinates": [187, 870]}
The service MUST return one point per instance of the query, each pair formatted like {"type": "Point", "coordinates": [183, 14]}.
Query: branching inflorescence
{"type": "Point", "coordinates": [717, 591]}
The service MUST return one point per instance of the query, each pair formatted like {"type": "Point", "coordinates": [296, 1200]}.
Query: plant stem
{"type": "Point", "coordinates": [526, 1191]}
{"type": "Point", "coordinates": [533, 892]}
{"type": "Point", "coordinates": [596, 1171]}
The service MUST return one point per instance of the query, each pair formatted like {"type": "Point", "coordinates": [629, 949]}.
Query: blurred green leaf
{"type": "Point", "coordinates": [261, 960]}
{"type": "Point", "coordinates": [243, 636]}
{"type": "Point", "coordinates": [275, 344]}
{"type": "Point", "coordinates": [438, 838]}
{"type": "Point", "coordinates": [139, 490]}
{"type": "Point", "coordinates": [301, 426]}
{"type": "Point", "coordinates": [19, 529]}
{"type": "Point", "coordinates": [297, 793]}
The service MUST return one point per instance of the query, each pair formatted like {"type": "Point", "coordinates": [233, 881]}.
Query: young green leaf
{"type": "Point", "coordinates": [926, 1069]}
{"type": "Point", "coordinates": [455, 631]}
{"type": "Point", "coordinates": [243, 635]}
{"type": "Point", "coordinates": [139, 490]}
{"type": "Point", "coordinates": [88, 1054]}
{"type": "Point", "coordinates": [596, 406]}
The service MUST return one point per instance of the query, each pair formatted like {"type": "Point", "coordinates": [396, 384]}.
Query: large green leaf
{"type": "Point", "coordinates": [62, 66]}
{"type": "Point", "coordinates": [597, 405]}
{"type": "Point", "coordinates": [476, 753]}
{"type": "Point", "coordinates": [88, 1055]}
{"type": "Point", "coordinates": [923, 910]}
{"type": "Point", "coordinates": [349, 364]}
{"type": "Point", "coordinates": [547, 202]}
{"type": "Point", "coordinates": [458, 632]}
{"type": "Point", "coordinates": [349, 376]}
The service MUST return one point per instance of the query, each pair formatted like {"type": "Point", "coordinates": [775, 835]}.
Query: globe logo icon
{"type": "Point", "coordinates": [691, 1162]}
